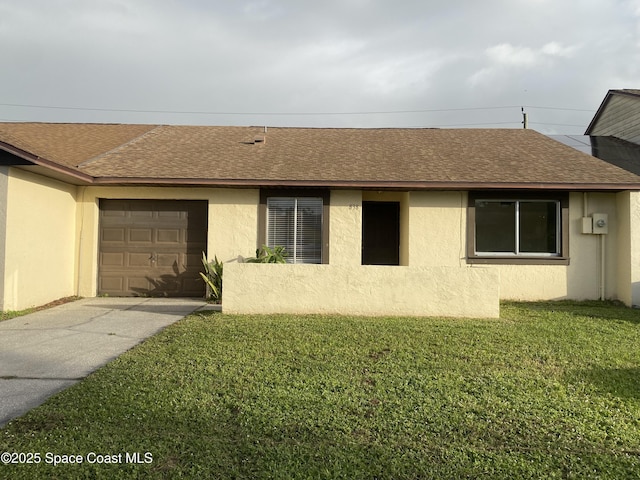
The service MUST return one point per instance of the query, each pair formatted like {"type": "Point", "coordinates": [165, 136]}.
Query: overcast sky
{"type": "Point", "coordinates": [337, 63]}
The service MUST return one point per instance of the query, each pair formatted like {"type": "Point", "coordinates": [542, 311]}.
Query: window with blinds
{"type": "Point", "coordinates": [296, 224]}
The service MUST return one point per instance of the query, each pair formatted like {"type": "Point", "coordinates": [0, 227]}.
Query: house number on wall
{"type": "Point", "coordinates": [354, 206]}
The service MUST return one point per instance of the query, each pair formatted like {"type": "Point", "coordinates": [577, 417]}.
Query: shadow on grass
{"type": "Point", "coordinates": [605, 310]}
{"type": "Point", "coordinates": [620, 382]}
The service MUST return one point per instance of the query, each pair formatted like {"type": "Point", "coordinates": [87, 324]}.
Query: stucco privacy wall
{"type": "Point", "coordinates": [40, 243]}
{"type": "Point", "coordinates": [361, 290]}
{"type": "Point", "coordinates": [233, 222]}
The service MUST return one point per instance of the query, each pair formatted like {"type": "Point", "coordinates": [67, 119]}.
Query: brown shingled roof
{"type": "Point", "coordinates": [68, 144]}
{"type": "Point", "coordinates": [402, 158]}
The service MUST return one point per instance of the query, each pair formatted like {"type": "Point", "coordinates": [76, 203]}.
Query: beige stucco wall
{"type": "Point", "coordinates": [437, 228]}
{"type": "Point", "coordinates": [233, 222]}
{"type": "Point", "coordinates": [345, 227]}
{"type": "Point", "coordinates": [40, 242]}
{"type": "Point", "coordinates": [361, 290]}
{"type": "Point", "coordinates": [628, 247]}
{"type": "Point", "coordinates": [4, 186]}
{"type": "Point", "coordinates": [433, 234]}
{"type": "Point", "coordinates": [580, 279]}
{"type": "Point", "coordinates": [634, 249]}
{"type": "Point", "coordinates": [625, 253]}
{"type": "Point", "coordinates": [437, 236]}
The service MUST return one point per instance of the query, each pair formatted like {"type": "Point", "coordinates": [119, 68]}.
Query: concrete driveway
{"type": "Point", "coordinates": [45, 352]}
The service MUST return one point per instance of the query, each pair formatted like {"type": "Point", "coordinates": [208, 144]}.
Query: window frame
{"type": "Point", "coordinates": [562, 258]}
{"type": "Point", "coordinates": [295, 193]}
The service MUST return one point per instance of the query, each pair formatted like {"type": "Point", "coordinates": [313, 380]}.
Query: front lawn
{"type": "Point", "coordinates": [547, 391]}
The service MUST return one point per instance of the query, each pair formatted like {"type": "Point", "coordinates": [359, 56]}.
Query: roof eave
{"type": "Point", "coordinates": [51, 169]}
{"type": "Point", "coordinates": [601, 108]}
{"type": "Point", "coordinates": [366, 185]}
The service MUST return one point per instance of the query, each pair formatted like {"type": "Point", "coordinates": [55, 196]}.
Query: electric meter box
{"type": "Point", "coordinates": [600, 223]}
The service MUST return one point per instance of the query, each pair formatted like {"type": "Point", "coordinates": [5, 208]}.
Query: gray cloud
{"type": "Point", "coordinates": [285, 56]}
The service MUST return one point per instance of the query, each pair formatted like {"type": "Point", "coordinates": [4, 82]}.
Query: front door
{"type": "Point", "coordinates": [380, 233]}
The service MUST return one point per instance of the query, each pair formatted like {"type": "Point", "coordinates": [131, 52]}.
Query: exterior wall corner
{"type": "Point", "coordinates": [4, 182]}
{"type": "Point", "coordinates": [40, 235]}
{"type": "Point", "coordinates": [628, 247]}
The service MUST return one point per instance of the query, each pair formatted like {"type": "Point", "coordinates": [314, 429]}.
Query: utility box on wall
{"type": "Point", "coordinates": [597, 224]}
{"type": "Point", "coordinates": [600, 223]}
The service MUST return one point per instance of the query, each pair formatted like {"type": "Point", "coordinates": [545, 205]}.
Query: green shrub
{"type": "Point", "coordinates": [212, 277]}
{"type": "Point", "coordinates": [267, 254]}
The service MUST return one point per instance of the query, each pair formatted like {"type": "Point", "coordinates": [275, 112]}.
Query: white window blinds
{"type": "Point", "coordinates": [296, 224]}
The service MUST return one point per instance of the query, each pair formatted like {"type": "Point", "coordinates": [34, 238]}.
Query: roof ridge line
{"type": "Point", "coordinates": [104, 154]}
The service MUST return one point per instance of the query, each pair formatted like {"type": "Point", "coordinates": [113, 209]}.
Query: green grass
{"type": "Point", "coordinates": [14, 313]}
{"type": "Point", "coordinates": [549, 390]}
{"type": "Point", "coordinates": [6, 315]}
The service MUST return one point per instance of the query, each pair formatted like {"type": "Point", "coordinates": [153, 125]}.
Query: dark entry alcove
{"type": "Point", "coordinates": [380, 233]}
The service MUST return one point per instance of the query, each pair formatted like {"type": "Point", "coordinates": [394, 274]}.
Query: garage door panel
{"type": "Point", "coordinates": [193, 261]}
{"type": "Point", "coordinates": [144, 235]}
{"type": "Point", "coordinates": [192, 284]}
{"type": "Point", "coordinates": [117, 210]}
{"type": "Point", "coordinates": [140, 259]}
{"type": "Point", "coordinates": [152, 247]}
{"type": "Point", "coordinates": [141, 213]}
{"type": "Point", "coordinates": [111, 284]}
{"type": "Point", "coordinates": [112, 259]}
{"type": "Point", "coordinates": [196, 236]}
{"type": "Point", "coordinates": [166, 235]}
{"type": "Point", "coordinates": [176, 215]}
{"type": "Point", "coordinates": [113, 235]}
{"type": "Point", "coordinates": [169, 260]}
{"type": "Point", "coordinates": [139, 285]}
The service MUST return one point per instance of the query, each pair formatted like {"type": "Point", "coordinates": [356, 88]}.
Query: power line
{"type": "Point", "coordinates": [381, 112]}
{"type": "Point", "coordinates": [560, 108]}
{"type": "Point", "coordinates": [471, 124]}
{"type": "Point", "coordinates": [557, 124]}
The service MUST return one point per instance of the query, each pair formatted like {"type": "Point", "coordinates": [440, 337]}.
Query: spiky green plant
{"type": "Point", "coordinates": [212, 277]}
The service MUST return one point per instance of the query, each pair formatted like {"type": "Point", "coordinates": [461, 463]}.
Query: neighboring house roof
{"type": "Point", "coordinates": [319, 157]}
{"type": "Point", "coordinates": [618, 116]}
{"type": "Point", "coordinates": [616, 151]}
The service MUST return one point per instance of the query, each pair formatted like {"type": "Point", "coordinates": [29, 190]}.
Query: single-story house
{"type": "Point", "coordinates": [375, 221]}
